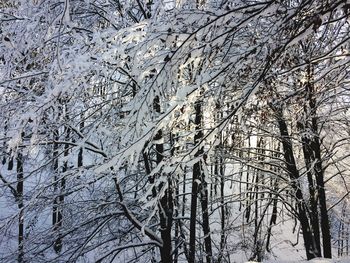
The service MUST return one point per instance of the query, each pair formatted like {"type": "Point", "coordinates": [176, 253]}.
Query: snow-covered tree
{"type": "Point", "coordinates": [172, 131]}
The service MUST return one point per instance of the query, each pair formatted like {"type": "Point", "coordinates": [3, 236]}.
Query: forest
{"type": "Point", "coordinates": [174, 131]}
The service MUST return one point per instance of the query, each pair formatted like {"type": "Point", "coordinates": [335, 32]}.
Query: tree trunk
{"type": "Point", "coordinates": [319, 173]}
{"type": "Point", "coordinates": [80, 154]}
{"type": "Point", "coordinates": [194, 193]}
{"type": "Point", "coordinates": [166, 202]}
{"type": "Point", "coordinates": [196, 178]}
{"type": "Point", "coordinates": [311, 251]}
{"type": "Point", "coordinates": [313, 196]}
{"type": "Point", "coordinates": [55, 207]}
{"type": "Point", "coordinates": [205, 218]}
{"type": "Point", "coordinates": [19, 192]}
{"type": "Point", "coordinates": [222, 208]}
{"type": "Point", "coordinates": [326, 236]}
{"type": "Point", "coordinates": [166, 220]}
{"type": "Point", "coordinates": [272, 219]}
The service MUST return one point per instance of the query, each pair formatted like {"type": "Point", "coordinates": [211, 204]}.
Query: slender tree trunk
{"type": "Point", "coordinates": [166, 207]}
{"type": "Point", "coordinates": [340, 248]}
{"type": "Point", "coordinates": [273, 218]}
{"type": "Point", "coordinates": [204, 190]}
{"type": "Point", "coordinates": [257, 202]}
{"type": "Point", "coordinates": [326, 236]}
{"type": "Point", "coordinates": [196, 178]}
{"type": "Point", "coordinates": [248, 187]}
{"type": "Point", "coordinates": [347, 239]}
{"type": "Point", "coordinates": [184, 199]}
{"type": "Point", "coordinates": [176, 204]}
{"type": "Point", "coordinates": [194, 192]}
{"type": "Point", "coordinates": [205, 218]}
{"type": "Point", "coordinates": [80, 154]}
{"type": "Point", "coordinates": [148, 169]}
{"type": "Point", "coordinates": [20, 202]}
{"type": "Point", "coordinates": [55, 184]}
{"type": "Point", "coordinates": [60, 201]}
{"type": "Point", "coordinates": [318, 169]}
{"type": "Point", "coordinates": [275, 186]}
{"type": "Point", "coordinates": [313, 197]}
{"type": "Point", "coordinates": [311, 251]}
{"type": "Point", "coordinates": [166, 220]}
{"type": "Point", "coordinates": [177, 224]}
{"type": "Point", "coordinates": [223, 210]}
{"type": "Point", "coordinates": [10, 164]}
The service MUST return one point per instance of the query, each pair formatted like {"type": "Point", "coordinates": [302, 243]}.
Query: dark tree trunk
{"type": "Point", "coordinates": [60, 202]}
{"type": "Point", "coordinates": [222, 208]}
{"type": "Point", "coordinates": [196, 177]}
{"type": "Point", "coordinates": [272, 220]}
{"type": "Point", "coordinates": [203, 187]}
{"type": "Point", "coordinates": [10, 164]}
{"type": "Point", "coordinates": [248, 187]}
{"type": "Point", "coordinates": [313, 197]}
{"type": "Point", "coordinates": [55, 208]}
{"type": "Point", "coordinates": [318, 169]}
{"type": "Point", "coordinates": [177, 205]}
{"type": "Point", "coordinates": [148, 169]}
{"type": "Point", "coordinates": [19, 192]}
{"type": "Point", "coordinates": [166, 220]}
{"type": "Point", "coordinates": [326, 236]}
{"type": "Point", "coordinates": [205, 218]}
{"type": "Point", "coordinates": [311, 251]}
{"type": "Point", "coordinates": [177, 224]}
{"type": "Point", "coordinates": [80, 154]}
{"type": "Point", "coordinates": [194, 193]}
{"type": "Point", "coordinates": [275, 186]}
{"type": "Point", "coordinates": [166, 207]}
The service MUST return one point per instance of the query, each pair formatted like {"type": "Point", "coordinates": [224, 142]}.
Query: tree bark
{"type": "Point", "coordinates": [318, 169]}
{"type": "Point", "coordinates": [313, 196]}
{"type": "Point", "coordinates": [166, 207]}
{"type": "Point", "coordinates": [205, 218]}
{"type": "Point", "coordinates": [55, 207]}
{"type": "Point", "coordinates": [20, 202]}
{"type": "Point", "coordinates": [311, 251]}
{"type": "Point", "coordinates": [326, 236]}
{"type": "Point", "coordinates": [198, 177]}
{"type": "Point", "coordinates": [80, 154]}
